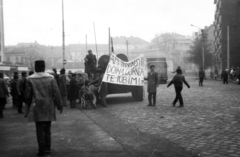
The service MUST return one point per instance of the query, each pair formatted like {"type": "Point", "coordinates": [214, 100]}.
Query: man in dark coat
{"type": "Point", "coordinates": [43, 90]}
{"type": "Point", "coordinates": [63, 86]}
{"type": "Point", "coordinates": [90, 63]}
{"type": "Point", "coordinates": [152, 86]}
{"type": "Point", "coordinates": [3, 94]}
{"type": "Point", "coordinates": [13, 89]}
{"type": "Point", "coordinates": [225, 76]}
{"type": "Point", "coordinates": [201, 76]}
{"type": "Point", "coordinates": [73, 91]}
{"type": "Point", "coordinates": [21, 90]}
{"type": "Point", "coordinates": [178, 81]}
{"type": "Point", "coordinates": [56, 76]}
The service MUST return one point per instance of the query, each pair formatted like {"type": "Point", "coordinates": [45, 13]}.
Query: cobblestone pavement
{"type": "Point", "coordinates": [209, 123]}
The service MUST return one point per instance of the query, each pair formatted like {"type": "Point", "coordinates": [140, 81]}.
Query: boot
{"type": "Point", "coordinates": [150, 103]}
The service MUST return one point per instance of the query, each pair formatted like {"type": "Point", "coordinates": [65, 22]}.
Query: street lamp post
{"type": "Point", "coordinates": [63, 36]}
{"type": "Point", "coordinates": [203, 54]}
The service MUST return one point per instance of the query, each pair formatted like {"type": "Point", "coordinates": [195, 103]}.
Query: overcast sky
{"type": "Point", "coordinates": [41, 20]}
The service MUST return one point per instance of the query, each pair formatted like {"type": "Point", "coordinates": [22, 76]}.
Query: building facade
{"type": "Point", "coordinates": [227, 32]}
{"type": "Point", "coordinates": [175, 47]}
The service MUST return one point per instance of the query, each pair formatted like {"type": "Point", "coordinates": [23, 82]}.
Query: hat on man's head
{"type": "Point", "coordinates": [39, 65]}
{"type": "Point", "coordinates": [89, 51]}
{"type": "Point", "coordinates": [152, 66]}
{"type": "Point", "coordinates": [24, 73]}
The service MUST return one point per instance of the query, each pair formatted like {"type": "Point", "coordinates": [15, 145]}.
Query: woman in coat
{"type": "Point", "coordinates": [73, 91]}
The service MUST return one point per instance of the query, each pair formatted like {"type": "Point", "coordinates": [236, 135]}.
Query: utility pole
{"type": "Point", "coordinates": [63, 36]}
{"type": "Point", "coordinates": [228, 48]}
{"type": "Point", "coordinates": [203, 55]}
{"type": "Point", "coordinates": [52, 55]}
{"type": "Point", "coordinates": [1, 33]}
{"type": "Point", "coordinates": [127, 47]}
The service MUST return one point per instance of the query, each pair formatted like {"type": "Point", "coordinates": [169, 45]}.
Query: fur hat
{"type": "Point", "coordinates": [39, 65]}
{"type": "Point", "coordinates": [152, 66]}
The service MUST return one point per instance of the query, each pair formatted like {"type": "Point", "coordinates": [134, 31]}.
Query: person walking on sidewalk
{"type": "Point", "coordinates": [42, 89]}
{"type": "Point", "coordinates": [178, 81]}
{"type": "Point", "coordinates": [225, 76]}
{"type": "Point", "coordinates": [13, 90]}
{"type": "Point", "coordinates": [73, 91]}
{"type": "Point", "coordinates": [152, 85]}
{"type": "Point", "coordinates": [63, 86]}
{"type": "Point", "coordinates": [21, 90]}
{"type": "Point", "coordinates": [3, 94]}
{"type": "Point", "coordinates": [201, 76]}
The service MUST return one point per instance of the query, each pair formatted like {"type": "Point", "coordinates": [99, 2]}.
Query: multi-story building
{"type": "Point", "coordinates": [175, 47]}
{"type": "Point", "coordinates": [227, 15]}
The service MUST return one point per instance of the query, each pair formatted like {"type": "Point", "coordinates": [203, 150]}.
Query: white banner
{"type": "Point", "coordinates": [125, 73]}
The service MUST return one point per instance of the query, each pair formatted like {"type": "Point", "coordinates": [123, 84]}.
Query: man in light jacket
{"type": "Point", "coordinates": [42, 89]}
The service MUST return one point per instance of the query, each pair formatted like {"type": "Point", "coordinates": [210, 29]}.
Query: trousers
{"type": "Point", "coordinates": [152, 96]}
{"type": "Point", "coordinates": [43, 131]}
{"type": "Point", "coordinates": [178, 91]}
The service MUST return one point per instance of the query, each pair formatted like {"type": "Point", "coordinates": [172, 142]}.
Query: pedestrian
{"type": "Point", "coordinates": [13, 90]}
{"type": "Point", "coordinates": [42, 89]}
{"type": "Point", "coordinates": [21, 91]}
{"type": "Point", "coordinates": [56, 76]}
{"type": "Point", "coordinates": [153, 83]}
{"type": "Point", "coordinates": [73, 91]}
{"type": "Point", "coordinates": [225, 76]}
{"type": "Point", "coordinates": [63, 86]}
{"type": "Point", "coordinates": [90, 63]}
{"type": "Point", "coordinates": [201, 76]}
{"type": "Point", "coordinates": [178, 81]}
{"type": "Point", "coordinates": [87, 94]}
{"type": "Point", "coordinates": [100, 88]}
{"type": "Point", "coordinates": [28, 103]}
{"type": "Point", "coordinates": [3, 94]}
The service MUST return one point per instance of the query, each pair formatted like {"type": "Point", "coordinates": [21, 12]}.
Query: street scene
{"type": "Point", "coordinates": [123, 78]}
{"type": "Point", "coordinates": [207, 126]}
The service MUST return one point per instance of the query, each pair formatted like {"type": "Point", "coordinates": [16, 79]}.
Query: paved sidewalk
{"type": "Point", "coordinates": [85, 133]}
{"type": "Point", "coordinates": [73, 135]}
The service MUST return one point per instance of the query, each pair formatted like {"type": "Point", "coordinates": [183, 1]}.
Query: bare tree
{"type": "Point", "coordinates": [34, 53]}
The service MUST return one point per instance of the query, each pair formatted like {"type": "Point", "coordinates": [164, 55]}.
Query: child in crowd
{"type": "Point", "coordinates": [87, 94]}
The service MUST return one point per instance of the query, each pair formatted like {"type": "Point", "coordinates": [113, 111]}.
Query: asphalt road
{"type": "Point", "coordinates": [208, 125]}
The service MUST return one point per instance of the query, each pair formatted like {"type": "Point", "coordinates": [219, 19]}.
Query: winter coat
{"type": "Point", "coordinates": [152, 82]}
{"type": "Point", "coordinates": [178, 81]}
{"type": "Point", "coordinates": [3, 89]}
{"type": "Point", "coordinates": [42, 87]}
{"type": "Point", "coordinates": [201, 74]}
{"type": "Point", "coordinates": [225, 75]}
{"type": "Point", "coordinates": [63, 85]}
{"type": "Point", "coordinates": [13, 87]}
{"type": "Point", "coordinates": [73, 89]}
{"type": "Point", "coordinates": [90, 63]}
